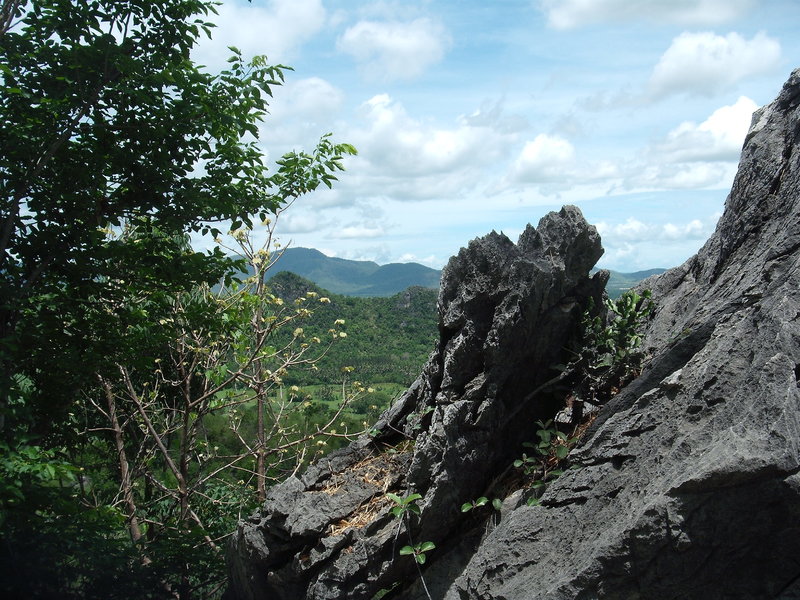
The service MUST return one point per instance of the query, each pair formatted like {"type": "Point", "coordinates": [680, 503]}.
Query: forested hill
{"type": "Point", "coordinates": [355, 277]}
{"type": "Point", "coordinates": [620, 282]}
{"type": "Point", "coordinates": [388, 338]}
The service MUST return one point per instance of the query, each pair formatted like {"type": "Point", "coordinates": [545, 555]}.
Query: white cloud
{"type": "Point", "coordinates": [633, 230]}
{"type": "Point", "coordinates": [695, 156]}
{"type": "Point", "coordinates": [392, 50]}
{"type": "Point", "coordinates": [546, 158]}
{"type": "Point", "coordinates": [718, 138]}
{"type": "Point", "coordinates": [408, 257]}
{"type": "Point", "coordinates": [681, 176]}
{"type": "Point", "coordinates": [312, 98]}
{"type": "Point", "coordinates": [276, 30]}
{"type": "Point", "coordinates": [636, 244]}
{"type": "Point", "coordinates": [358, 231]}
{"type": "Point", "coordinates": [295, 221]}
{"type": "Point", "coordinates": [551, 160]}
{"type": "Point", "coordinates": [705, 63]}
{"type": "Point", "coordinates": [569, 14]}
{"type": "Point", "coordinates": [406, 158]}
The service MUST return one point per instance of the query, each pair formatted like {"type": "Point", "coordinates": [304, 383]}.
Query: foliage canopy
{"type": "Point", "coordinates": [116, 148]}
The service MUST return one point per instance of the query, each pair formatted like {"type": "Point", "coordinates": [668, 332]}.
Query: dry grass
{"type": "Point", "coordinates": [362, 516]}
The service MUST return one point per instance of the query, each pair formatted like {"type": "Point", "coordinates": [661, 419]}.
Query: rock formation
{"type": "Point", "coordinates": [688, 483]}
{"type": "Point", "coordinates": [506, 312]}
{"type": "Point", "coordinates": [689, 486]}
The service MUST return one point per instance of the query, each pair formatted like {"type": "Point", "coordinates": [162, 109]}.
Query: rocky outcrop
{"type": "Point", "coordinates": [689, 484]}
{"type": "Point", "coordinates": [506, 314]}
{"type": "Point", "coordinates": [688, 481]}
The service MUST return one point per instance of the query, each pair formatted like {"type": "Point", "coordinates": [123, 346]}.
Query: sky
{"type": "Point", "coordinates": [478, 115]}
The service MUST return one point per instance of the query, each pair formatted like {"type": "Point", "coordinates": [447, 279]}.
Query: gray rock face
{"type": "Point", "coordinates": [689, 486]}
{"type": "Point", "coordinates": [506, 313]}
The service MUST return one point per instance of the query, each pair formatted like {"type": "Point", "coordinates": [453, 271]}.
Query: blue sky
{"type": "Point", "coordinates": [479, 115]}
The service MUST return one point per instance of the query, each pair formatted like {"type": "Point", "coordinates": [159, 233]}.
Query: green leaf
{"type": "Point", "coordinates": [497, 504]}
{"type": "Point", "coordinates": [406, 550]}
{"type": "Point", "coordinates": [466, 507]}
{"type": "Point", "coordinates": [426, 546]}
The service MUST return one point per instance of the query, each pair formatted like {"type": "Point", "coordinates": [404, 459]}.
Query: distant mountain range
{"type": "Point", "coordinates": [367, 278]}
{"type": "Point", "coordinates": [620, 282]}
{"type": "Point", "coordinates": [355, 277]}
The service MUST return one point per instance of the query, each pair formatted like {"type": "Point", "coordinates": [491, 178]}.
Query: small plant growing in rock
{"type": "Point", "coordinates": [548, 453]}
{"type": "Point", "coordinates": [404, 505]}
{"type": "Point", "coordinates": [497, 504]}
{"type": "Point", "coordinates": [608, 351]}
{"type": "Point", "coordinates": [418, 551]}
{"type": "Point", "coordinates": [612, 347]}
{"type": "Point", "coordinates": [402, 510]}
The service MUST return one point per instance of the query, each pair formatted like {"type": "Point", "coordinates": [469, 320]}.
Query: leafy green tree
{"type": "Point", "coordinates": [116, 147]}
{"type": "Point", "coordinates": [106, 121]}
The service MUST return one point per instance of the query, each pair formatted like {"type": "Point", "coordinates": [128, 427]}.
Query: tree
{"type": "Point", "coordinates": [178, 482]}
{"type": "Point", "coordinates": [116, 147]}
{"type": "Point", "coordinates": [106, 121]}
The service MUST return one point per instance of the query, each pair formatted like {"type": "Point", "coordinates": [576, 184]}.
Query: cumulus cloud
{"type": "Point", "coordinates": [276, 30]}
{"type": "Point", "coordinates": [695, 156]}
{"type": "Point", "coordinates": [642, 244]}
{"type": "Point", "coordinates": [551, 160]}
{"type": "Point", "coordinates": [406, 158]}
{"type": "Point", "coordinates": [570, 14]}
{"type": "Point", "coordinates": [299, 222]}
{"type": "Point", "coordinates": [312, 98]}
{"type": "Point", "coordinates": [358, 231]}
{"type": "Point", "coordinates": [633, 230]}
{"type": "Point", "coordinates": [681, 176]}
{"type": "Point", "coordinates": [546, 158]}
{"type": "Point", "coordinates": [394, 50]}
{"type": "Point", "coordinates": [718, 138]}
{"type": "Point", "coordinates": [705, 63]}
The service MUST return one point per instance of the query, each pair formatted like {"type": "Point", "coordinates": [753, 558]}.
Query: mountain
{"type": "Point", "coordinates": [618, 283]}
{"type": "Point", "coordinates": [355, 277]}
{"type": "Point", "coordinates": [366, 278]}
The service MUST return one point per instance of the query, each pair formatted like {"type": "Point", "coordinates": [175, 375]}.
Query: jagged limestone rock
{"type": "Point", "coordinates": [689, 486]}
{"type": "Point", "coordinates": [506, 313]}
